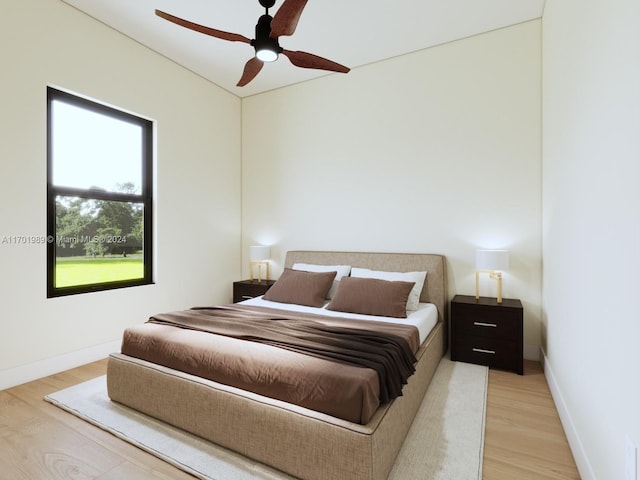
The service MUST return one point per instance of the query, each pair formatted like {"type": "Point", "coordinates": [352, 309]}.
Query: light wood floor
{"type": "Point", "coordinates": [523, 438]}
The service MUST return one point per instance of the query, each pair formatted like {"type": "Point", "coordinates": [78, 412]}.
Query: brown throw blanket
{"type": "Point", "coordinates": [391, 356]}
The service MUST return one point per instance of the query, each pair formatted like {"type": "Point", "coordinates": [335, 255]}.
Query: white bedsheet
{"type": "Point", "coordinates": [424, 317]}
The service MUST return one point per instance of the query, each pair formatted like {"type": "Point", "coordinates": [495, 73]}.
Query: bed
{"type": "Point", "coordinates": [300, 441]}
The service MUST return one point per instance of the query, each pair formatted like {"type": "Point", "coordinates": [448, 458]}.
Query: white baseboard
{"type": "Point", "coordinates": [577, 449]}
{"type": "Point", "coordinates": [49, 366]}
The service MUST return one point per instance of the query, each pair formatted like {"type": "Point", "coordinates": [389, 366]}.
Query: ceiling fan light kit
{"type": "Point", "coordinates": [267, 48]}
{"type": "Point", "coordinates": [266, 45]}
{"type": "Point", "coordinates": [266, 55]}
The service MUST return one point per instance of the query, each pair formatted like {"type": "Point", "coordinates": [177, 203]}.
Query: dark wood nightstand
{"type": "Point", "coordinates": [486, 332]}
{"type": "Point", "coordinates": [246, 289]}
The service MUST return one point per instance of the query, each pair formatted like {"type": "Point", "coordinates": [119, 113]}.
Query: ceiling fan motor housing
{"type": "Point", "coordinates": [263, 40]}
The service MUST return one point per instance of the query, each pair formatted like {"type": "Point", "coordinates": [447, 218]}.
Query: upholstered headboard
{"type": "Point", "coordinates": [435, 286]}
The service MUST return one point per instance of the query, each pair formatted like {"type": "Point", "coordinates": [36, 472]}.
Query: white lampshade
{"type": "Point", "coordinates": [259, 253]}
{"type": "Point", "coordinates": [492, 260]}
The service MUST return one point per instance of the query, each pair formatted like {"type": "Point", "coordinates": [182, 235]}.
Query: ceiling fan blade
{"type": "Point", "coordinates": [251, 69]}
{"type": "Point", "coordinates": [308, 60]}
{"type": "Point", "coordinates": [286, 18]}
{"type": "Point", "coordinates": [232, 37]}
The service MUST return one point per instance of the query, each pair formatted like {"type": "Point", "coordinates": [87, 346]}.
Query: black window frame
{"type": "Point", "coordinates": [145, 197]}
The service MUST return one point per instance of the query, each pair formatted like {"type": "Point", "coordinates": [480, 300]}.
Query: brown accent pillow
{"type": "Point", "coordinates": [301, 287]}
{"type": "Point", "coordinates": [372, 296]}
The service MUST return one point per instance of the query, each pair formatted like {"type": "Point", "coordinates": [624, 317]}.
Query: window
{"type": "Point", "coordinates": [99, 196]}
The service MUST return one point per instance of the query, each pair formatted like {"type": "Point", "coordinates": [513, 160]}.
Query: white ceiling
{"type": "Point", "coordinates": [351, 32]}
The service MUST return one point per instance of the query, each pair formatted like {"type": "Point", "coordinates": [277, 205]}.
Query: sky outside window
{"type": "Point", "coordinates": [85, 154]}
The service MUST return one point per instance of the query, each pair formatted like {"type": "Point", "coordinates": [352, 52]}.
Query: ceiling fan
{"type": "Point", "coordinates": [268, 30]}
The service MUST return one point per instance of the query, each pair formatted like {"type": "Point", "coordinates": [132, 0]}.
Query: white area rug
{"type": "Point", "coordinates": [444, 443]}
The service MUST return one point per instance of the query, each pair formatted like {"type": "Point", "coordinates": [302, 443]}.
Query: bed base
{"type": "Point", "coordinates": [303, 443]}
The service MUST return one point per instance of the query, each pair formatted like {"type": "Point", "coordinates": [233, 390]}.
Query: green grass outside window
{"type": "Point", "coordinates": [74, 271]}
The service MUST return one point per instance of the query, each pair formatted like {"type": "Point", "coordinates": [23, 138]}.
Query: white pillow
{"type": "Point", "coordinates": [417, 277]}
{"type": "Point", "coordinates": [342, 271]}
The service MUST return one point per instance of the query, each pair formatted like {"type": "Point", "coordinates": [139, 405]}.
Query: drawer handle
{"type": "Point", "coordinates": [482, 350]}
{"type": "Point", "coordinates": [246, 297]}
{"type": "Point", "coordinates": [482, 324]}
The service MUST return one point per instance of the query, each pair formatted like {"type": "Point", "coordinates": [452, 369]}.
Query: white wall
{"type": "Point", "coordinates": [438, 151]}
{"type": "Point", "coordinates": [197, 227]}
{"type": "Point", "coordinates": [591, 225]}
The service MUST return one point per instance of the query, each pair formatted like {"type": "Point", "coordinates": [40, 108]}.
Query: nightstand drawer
{"type": "Point", "coordinates": [485, 322]}
{"type": "Point", "coordinates": [487, 351]}
{"type": "Point", "coordinates": [246, 289]}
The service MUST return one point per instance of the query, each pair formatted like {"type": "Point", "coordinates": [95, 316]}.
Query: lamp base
{"type": "Point", "coordinates": [494, 275]}
{"type": "Point", "coordinates": [258, 265]}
